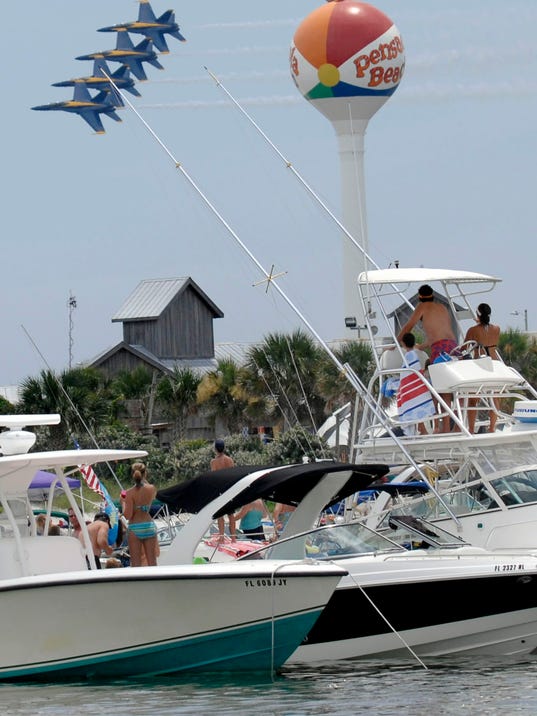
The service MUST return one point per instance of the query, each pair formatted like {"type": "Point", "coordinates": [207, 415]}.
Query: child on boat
{"type": "Point", "coordinates": [414, 401]}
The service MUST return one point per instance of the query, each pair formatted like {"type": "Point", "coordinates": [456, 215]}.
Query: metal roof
{"type": "Point", "coordinates": [237, 351]}
{"type": "Point", "coordinates": [200, 366]}
{"type": "Point", "coordinates": [153, 295]}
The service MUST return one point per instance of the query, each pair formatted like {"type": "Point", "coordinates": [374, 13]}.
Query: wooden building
{"type": "Point", "coordinates": [166, 323]}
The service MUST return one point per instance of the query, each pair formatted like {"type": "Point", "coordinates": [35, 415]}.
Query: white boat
{"type": "Point", "coordinates": [487, 481]}
{"type": "Point", "coordinates": [447, 598]}
{"type": "Point", "coordinates": [62, 620]}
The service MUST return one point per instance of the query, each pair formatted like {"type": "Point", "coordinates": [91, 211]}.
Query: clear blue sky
{"type": "Point", "coordinates": [450, 169]}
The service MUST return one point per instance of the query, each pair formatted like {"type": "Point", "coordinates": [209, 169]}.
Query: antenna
{"type": "Point", "coordinates": [71, 305]}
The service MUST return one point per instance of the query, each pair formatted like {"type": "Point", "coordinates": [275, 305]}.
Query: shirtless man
{"type": "Point", "coordinates": [436, 323]}
{"type": "Point", "coordinates": [219, 462]}
{"type": "Point", "coordinates": [75, 524]}
{"type": "Point", "coordinates": [98, 534]}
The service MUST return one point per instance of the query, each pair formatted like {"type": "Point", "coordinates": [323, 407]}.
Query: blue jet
{"type": "Point", "coordinates": [99, 81]}
{"type": "Point", "coordinates": [151, 26]}
{"type": "Point", "coordinates": [128, 54]}
{"type": "Point", "coordinates": [88, 107]}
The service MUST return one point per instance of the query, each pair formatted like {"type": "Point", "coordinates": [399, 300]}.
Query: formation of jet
{"type": "Point", "coordinates": [131, 58]}
{"type": "Point", "coordinates": [151, 26]}
{"type": "Point", "coordinates": [88, 107]}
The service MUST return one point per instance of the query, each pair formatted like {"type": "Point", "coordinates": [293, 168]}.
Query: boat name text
{"type": "Point", "coordinates": [271, 582]}
{"type": "Point", "coordinates": [509, 567]}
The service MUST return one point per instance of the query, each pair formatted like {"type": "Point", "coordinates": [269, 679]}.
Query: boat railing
{"type": "Point", "coordinates": [471, 384]}
{"type": "Point", "coordinates": [375, 423]}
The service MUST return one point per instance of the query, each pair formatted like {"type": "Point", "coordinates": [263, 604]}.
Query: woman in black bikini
{"type": "Point", "coordinates": [486, 335]}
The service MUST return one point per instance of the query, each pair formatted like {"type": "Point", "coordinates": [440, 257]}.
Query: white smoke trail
{"type": "Point", "coordinates": [256, 75]}
{"type": "Point", "coordinates": [406, 94]}
{"type": "Point", "coordinates": [249, 24]}
{"type": "Point", "coordinates": [213, 104]}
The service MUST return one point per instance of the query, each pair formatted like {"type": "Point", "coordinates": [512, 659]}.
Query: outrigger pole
{"type": "Point", "coordinates": [301, 179]}
{"type": "Point", "coordinates": [344, 368]}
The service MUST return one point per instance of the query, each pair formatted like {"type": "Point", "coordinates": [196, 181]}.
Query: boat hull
{"type": "Point", "coordinates": [150, 621]}
{"type": "Point", "coordinates": [486, 607]}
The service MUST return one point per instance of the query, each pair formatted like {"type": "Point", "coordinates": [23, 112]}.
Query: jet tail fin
{"type": "Point", "coordinates": [167, 18]}
{"type": "Point", "coordinates": [145, 13]}
{"type": "Point", "coordinates": [99, 65]}
{"type": "Point", "coordinates": [82, 93]}
{"type": "Point", "coordinates": [124, 41]}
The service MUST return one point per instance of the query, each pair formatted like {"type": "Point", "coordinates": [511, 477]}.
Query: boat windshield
{"type": "Point", "coordinates": [503, 457]}
{"type": "Point", "coordinates": [330, 542]}
{"type": "Point", "coordinates": [517, 488]}
{"type": "Point", "coordinates": [413, 533]}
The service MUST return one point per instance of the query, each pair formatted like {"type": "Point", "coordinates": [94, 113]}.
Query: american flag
{"type": "Point", "coordinates": [88, 473]}
{"type": "Point", "coordinates": [91, 479]}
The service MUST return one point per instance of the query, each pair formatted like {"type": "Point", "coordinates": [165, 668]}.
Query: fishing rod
{"type": "Point", "coordinates": [344, 368]}
{"type": "Point", "coordinates": [289, 165]}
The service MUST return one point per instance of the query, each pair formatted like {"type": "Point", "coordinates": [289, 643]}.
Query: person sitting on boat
{"type": "Point", "coordinates": [219, 462]}
{"type": "Point", "coordinates": [486, 335]}
{"type": "Point", "coordinates": [40, 522]}
{"type": "Point", "coordinates": [142, 531]}
{"type": "Point", "coordinates": [251, 519]}
{"type": "Point", "coordinates": [414, 400]}
{"type": "Point", "coordinates": [436, 323]}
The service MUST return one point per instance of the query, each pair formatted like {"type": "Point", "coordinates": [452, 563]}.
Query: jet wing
{"type": "Point", "coordinates": [94, 121]}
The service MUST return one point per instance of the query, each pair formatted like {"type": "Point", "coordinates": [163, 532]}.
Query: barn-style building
{"type": "Point", "coordinates": [166, 323]}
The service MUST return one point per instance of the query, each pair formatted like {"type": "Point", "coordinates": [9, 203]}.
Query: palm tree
{"type": "Point", "coordinates": [77, 395]}
{"type": "Point", "coordinates": [513, 346]}
{"type": "Point", "coordinates": [519, 351]}
{"type": "Point", "coordinates": [283, 368]}
{"type": "Point", "coordinates": [333, 385]}
{"type": "Point", "coordinates": [177, 393]}
{"type": "Point", "coordinates": [134, 389]}
{"type": "Point", "coordinates": [222, 395]}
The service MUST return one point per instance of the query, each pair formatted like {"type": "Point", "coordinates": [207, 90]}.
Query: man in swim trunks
{"type": "Point", "coordinates": [436, 323]}
{"type": "Point", "coordinates": [219, 462]}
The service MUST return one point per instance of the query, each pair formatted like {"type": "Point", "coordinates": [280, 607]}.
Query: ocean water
{"type": "Point", "coordinates": [454, 686]}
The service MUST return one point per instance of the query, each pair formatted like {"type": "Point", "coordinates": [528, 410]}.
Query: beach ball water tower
{"type": "Point", "coordinates": [347, 59]}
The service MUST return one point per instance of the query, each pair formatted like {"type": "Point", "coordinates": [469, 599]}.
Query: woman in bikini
{"type": "Point", "coordinates": [142, 532]}
{"type": "Point", "coordinates": [486, 335]}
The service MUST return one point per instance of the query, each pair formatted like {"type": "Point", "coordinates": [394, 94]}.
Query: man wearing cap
{"type": "Point", "coordinates": [219, 462]}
